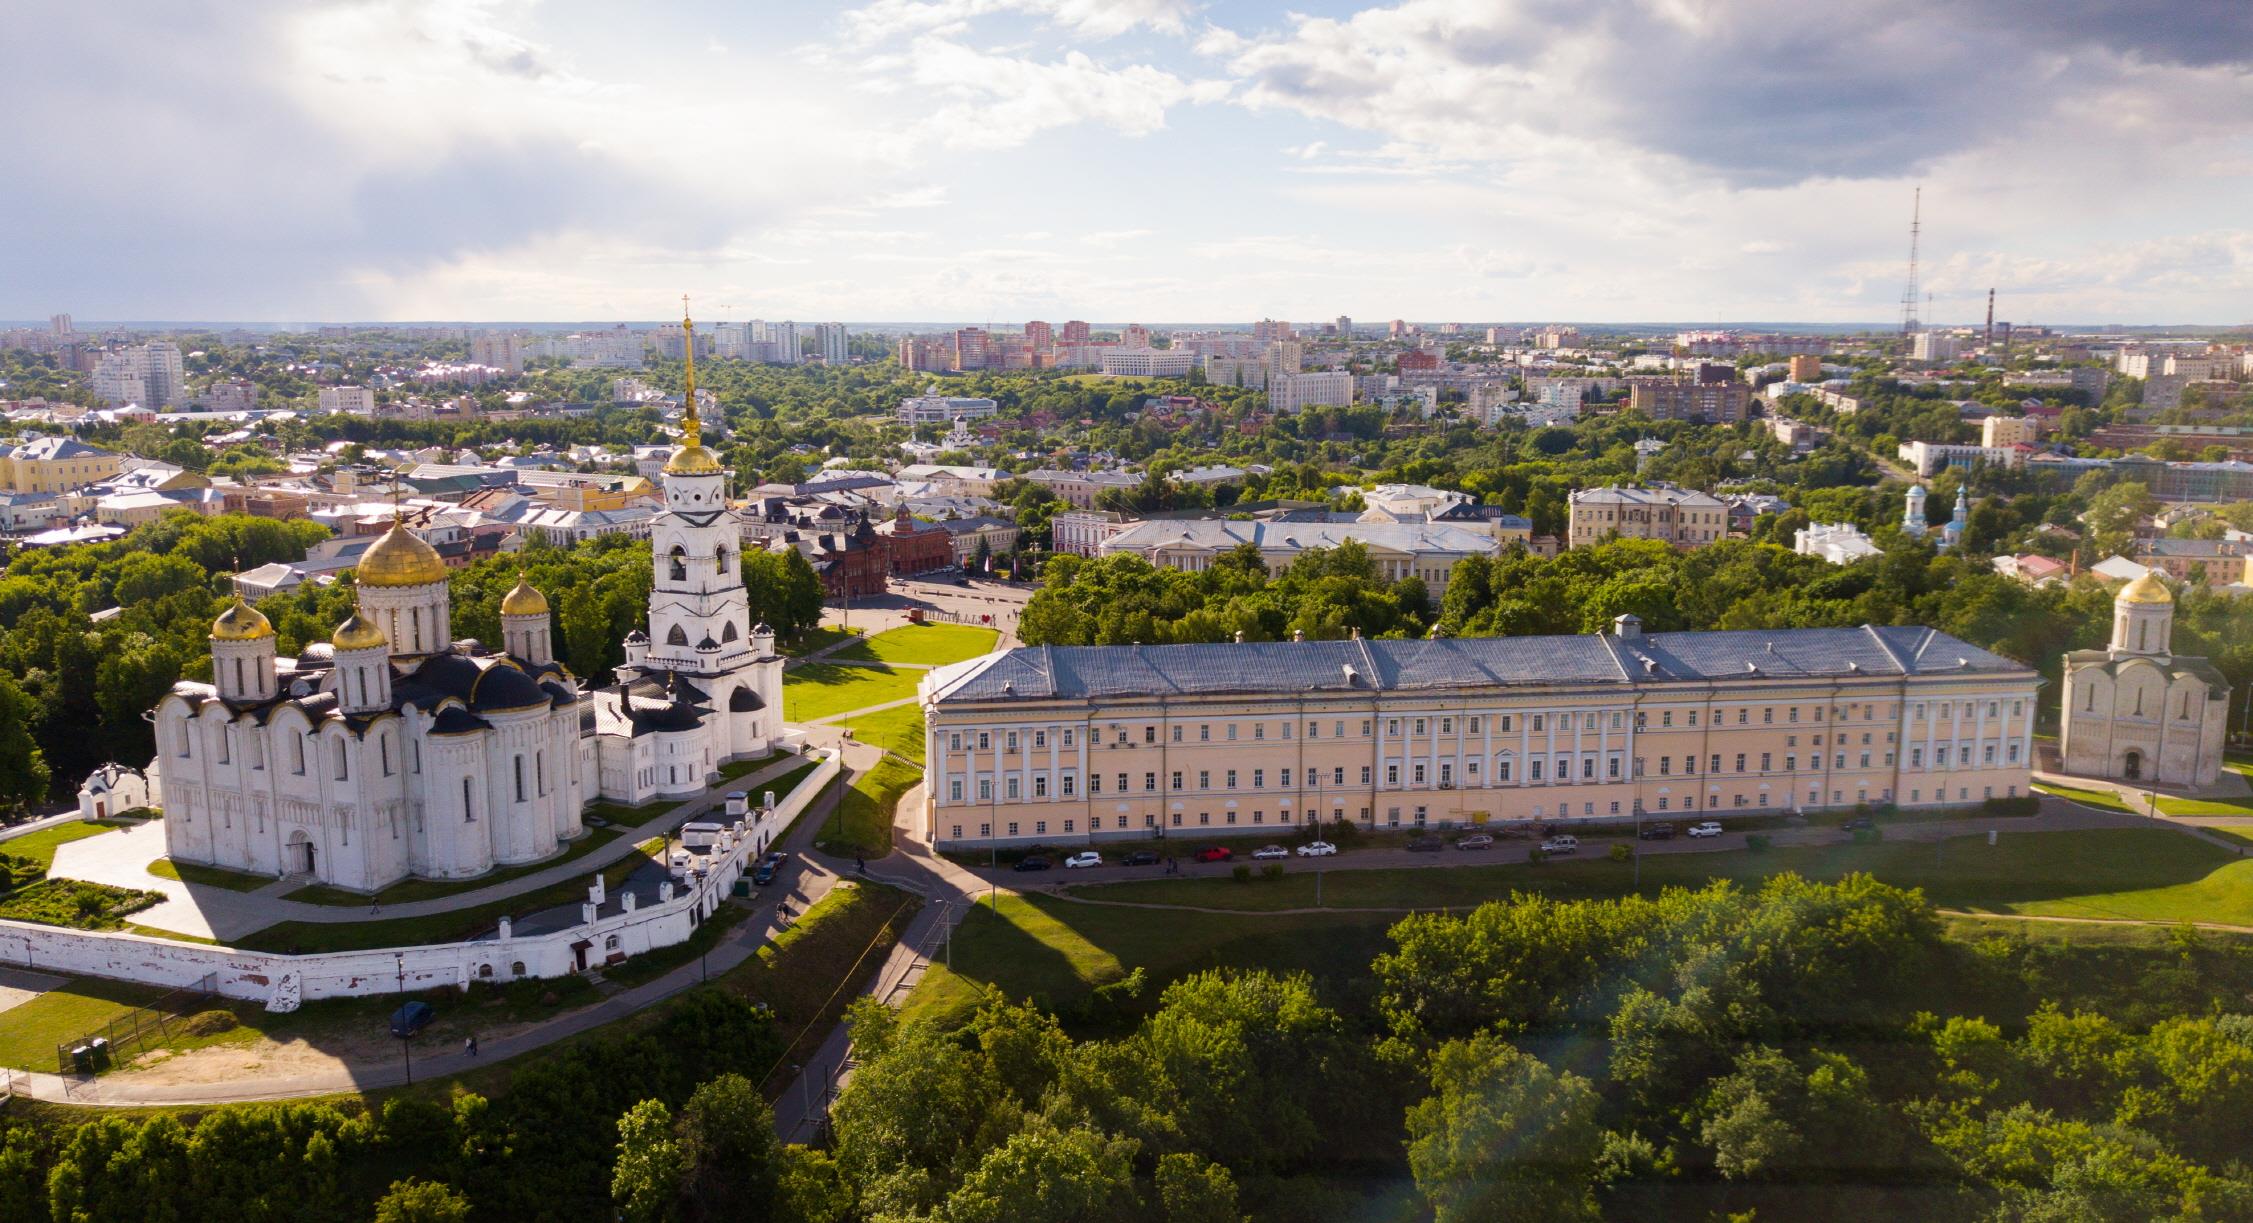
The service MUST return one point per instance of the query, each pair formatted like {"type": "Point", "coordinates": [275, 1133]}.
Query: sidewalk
{"type": "Point", "coordinates": [121, 859]}
{"type": "Point", "coordinates": [807, 883]}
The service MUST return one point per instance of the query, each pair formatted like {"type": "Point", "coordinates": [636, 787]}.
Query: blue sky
{"type": "Point", "coordinates": [1162, 160]}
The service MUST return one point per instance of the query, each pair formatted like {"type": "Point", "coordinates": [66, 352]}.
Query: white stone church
{"type": "Point", "coordinates": [2136, 710]}
{"type": "Point", "coordinates": [393, 750]}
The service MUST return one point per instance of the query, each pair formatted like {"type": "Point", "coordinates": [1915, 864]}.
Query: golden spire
{"type": "Point", "coordinates": [692, 430]}
{"type": "Point", "coordinates": [691, 458]}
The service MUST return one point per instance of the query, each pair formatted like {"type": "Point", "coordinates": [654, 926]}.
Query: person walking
{"type": "Point", "coordinates": [469, 1044]}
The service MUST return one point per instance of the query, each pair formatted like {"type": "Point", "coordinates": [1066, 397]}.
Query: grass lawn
{"type": "Point", "coordinates": [818, 638]}
{"type": "Point", "coordinates": [31, 1031]}
{"type": "Point", "coordinates": [199, 875]}
{"type": "Point", "coordinates": [923, 644]}
{"type": "Point", "coordinates": [629, 817]}
{"type": "Point", "coordinates": [453, 926]}
{"type": "Point", "coordinates": [862, 822]}
{"type": "Point", "coordinates": [2106, 799]}
{"type": "Point", "coordinates": [408, 890]}
{"type": "Point", "coordinates": [1058, 951]}
{"type": "Point", "coordinates": [898, 730]}
{"type": "Point", "coordinates": [2146, 873]}
{"type": "Point", "coordinates": [744, 768]}
{"type": "Point", "coordinates": [40, 846]}
{"type": "Point", "coordinates": [2198, 806]}
{"type": "Point", "coordinates": [820, 689]}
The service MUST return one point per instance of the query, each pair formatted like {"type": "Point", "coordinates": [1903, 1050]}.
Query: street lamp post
{"type": "Point", "coordinates": [1638, 845]}
{"type": "Point", "coordinates": [406, 1046]}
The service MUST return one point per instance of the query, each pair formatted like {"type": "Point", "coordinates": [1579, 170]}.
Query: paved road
{"type": "Point", "coordinates": [804, 882]}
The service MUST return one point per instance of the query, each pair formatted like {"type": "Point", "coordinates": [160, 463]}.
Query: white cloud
{"type": "Point", "coordinates": [992, 101]}
{"type": "Point", "coordinates": [884, 20]}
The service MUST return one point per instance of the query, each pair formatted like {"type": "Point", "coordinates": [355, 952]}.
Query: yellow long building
{"type": "Point", "coordinates": [1059, 745]}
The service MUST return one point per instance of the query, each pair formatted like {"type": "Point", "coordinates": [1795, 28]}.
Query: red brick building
{"type": "Point", "coordinates": [911, 548]}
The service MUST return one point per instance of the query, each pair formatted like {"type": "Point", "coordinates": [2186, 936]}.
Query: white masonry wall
{"type": "Point", "coordinates": [281, 981]}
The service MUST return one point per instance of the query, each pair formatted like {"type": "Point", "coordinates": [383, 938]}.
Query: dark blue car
{"type": "Point", "coordinates": [411, 1018]}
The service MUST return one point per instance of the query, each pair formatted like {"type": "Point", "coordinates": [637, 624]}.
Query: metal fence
{"type": "Point", "coordinates": [141, 1028]}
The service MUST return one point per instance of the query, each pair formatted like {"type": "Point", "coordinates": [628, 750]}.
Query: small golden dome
{"type": "Point", "coordinates": [400, 558]}
{"type": "Point", "coordinates": [2146, 589]}
{"type": "Point", "coordinates": [358, 634]}
{"type": "Point", "coordinates": [694, 460]}
{"type": "Point", "coordinates": [241, 622]}
{"type": "Point", "coordinates": [524, 600]}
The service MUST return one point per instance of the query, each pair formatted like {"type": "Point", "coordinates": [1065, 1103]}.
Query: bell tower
{"type": "Point", "coordinates": [699, 618]}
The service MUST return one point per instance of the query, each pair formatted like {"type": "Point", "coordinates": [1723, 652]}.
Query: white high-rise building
{"type": "Point", "coordinates": [147, 374]}
{"type": "Point", "coordinates": [732, 341]}
{"type": "Point", "coordinates": [784, 338]}
{"type": "Point", "coordinates": [1345, 327]}
{"type": "Point", "coordinates": [60, 326]}
{"type": "Point", "coordinates": [831, 342]}
{"type": "Point", "coordinates": [1292, 392]}
{"type": "Point", "coordinates": [501, 350]}
{"type": "Point", "coordinates": [1934, 348]}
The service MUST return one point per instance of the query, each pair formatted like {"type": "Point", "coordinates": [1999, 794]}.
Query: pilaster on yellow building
{"type": "Point", "coordinates": [1060, 746]}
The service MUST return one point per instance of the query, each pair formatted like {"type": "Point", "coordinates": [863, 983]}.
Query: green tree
{"type": "Point", "coordinates": [732, 1160]}
{"type": "Point", "coordinates": [645, 1181]}
{"type": "Point", "coordinates": [418, 1201]}
{"type": "Point", "coordinates": [1044, 1175]}
{"type": "Point", "coordinates": [24, 779]}
{"type": "Point", "coordinates": [1503, 1136]}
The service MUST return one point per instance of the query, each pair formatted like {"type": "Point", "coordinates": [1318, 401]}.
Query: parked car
{"type": "Point", "coordinates": [1426, 845]}
{"type": "Point", "coordinates": [1317, 849]}
{"type": "Point", "coordinates": [411, 1019]}
{"type": "Point", "coordinates": [1709, 828]}
{"type": "Point", "coordinates": [768, 867]}
{"type": "Point", "coordinates": [1658, 832]}
{"type": "Point", "coordinates": [1032, 862]}
{"type": "Point", "coordinates": [1215, 853]}
{"type": "Point", "coordinates": [1140, 857]}
{"type": "Point", "coordinates": [1084, 858]}
{"type": "Point", "coordinates": [1265, 852]}
{"type": "Point", "coordinates": [1477, 840]}
{"type": "Point", "coordinates": [1858, 823]}
{"type": "Point", "coordinates": [1561, 845]}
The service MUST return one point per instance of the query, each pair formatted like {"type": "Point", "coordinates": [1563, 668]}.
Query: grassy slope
{"type": "Point", "coordinates": [923, 644]}
{"type": "Point", "coordinates": [862, 821]}
{"type": "Point", "coordinates": [820, 689]}
{"type": "Point", "coordinates": [898, 730]}
{"type": "Point", "coordinates": [2148, 873]}
{"type": "Point", "coordinates": [40, 846]}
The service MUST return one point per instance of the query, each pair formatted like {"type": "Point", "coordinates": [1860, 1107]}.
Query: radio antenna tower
{"type": "Point", "coordinates": [1909, 293]}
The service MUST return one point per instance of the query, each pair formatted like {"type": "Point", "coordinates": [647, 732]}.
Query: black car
{"type": "Point", "coordinates": [1140, 857]}
{"type": "Point", "coordinates": [1858, 823]}
{"type": "Point", "coordinates": [1658, 832]}
{"type": "Point", "coordinates": [1426, 845]}
{"type": "Point", "coordinates": [768, 867]}
{"type": "Point", "coordinates": [1032, 862]}
{"type": "Point", "coordinates": [411, 1019]}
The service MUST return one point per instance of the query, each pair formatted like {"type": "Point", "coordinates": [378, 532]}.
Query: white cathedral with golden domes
{"type": "Point", "coordinates": [393, 750]}
{"type": "Point", "coordinates": [2137, 711]}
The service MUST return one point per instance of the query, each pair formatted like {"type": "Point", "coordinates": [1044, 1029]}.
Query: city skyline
{"type": "Point", "coordinates": [1013, 159]}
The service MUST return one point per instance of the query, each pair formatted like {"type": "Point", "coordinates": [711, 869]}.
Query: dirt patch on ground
{"type": "Point", "coordinates": [263, 1059]}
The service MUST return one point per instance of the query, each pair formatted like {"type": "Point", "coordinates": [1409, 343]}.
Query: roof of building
{"type": "Point", "coordinates": [400, 558]}
{"type": "Point", "coordinates": [41, 449]}
{"type": "Point", "coordinates": [1221, 534]}
{"type": "Point", "coordinates": [1275, 668]}
{"type": "Point", "coordinates": [1655, 495]}
{"type": "Point", "coordinates": [524, 600]}
{"type": "Point", "coordinates": [2146, 589]}
{"type": "Point", "coordinates": [241, 622]}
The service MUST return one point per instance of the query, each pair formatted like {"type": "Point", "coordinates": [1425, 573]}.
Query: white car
{"type": "Point", "coordinates": [1317, 849]}
{"type": "Point", "coordinates": [1561, 845]}
{"type": "Point", "coordinates": [1084, 858]}
{"type": "Point", "coordinates": [1271, 851]}
{"type": "Point", "coordinates": [1709, 828]}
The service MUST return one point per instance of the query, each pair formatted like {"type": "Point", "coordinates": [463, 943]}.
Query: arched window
{"type": "Point", "coordinates": [469, 803]}
{"type": "Point", "coordinates": [414, 621]}
{"type": "Point", "coordinates": [728, 633]}
{"type": "Point", "coordinates": [720, 561]}
{"type": "Point", "coordinates": [343, 762]}
{"type": "Point", "coordinates": [485, 972]}
{"type": "Point", "coordinates": [679, 559]}
{"type": "Point", "coordinates": [516, 969]}
{"type": "Point", "coordinates": [676, 637]}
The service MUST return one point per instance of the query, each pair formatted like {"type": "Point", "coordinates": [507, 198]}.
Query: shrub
{"type": "Point", "coordinates": [1758, 841]}
{"type": "Point", "coordinates": [1271, 870]}
{"type": "Point", "coordinates": [2024, 804]}
{"type": "Point", "coordinates": [1241, 872]}
{"type": "Point", "coordinates": [1344, 834]}
{"type": "Point", "coordinates": [209, 1023]}
{"type": "Point", "coordinates": [1868, 836]}
{"type": "Point", "coordinates": [1535, 856]}
{"type": "Point", "coordinates": [1621, 853]}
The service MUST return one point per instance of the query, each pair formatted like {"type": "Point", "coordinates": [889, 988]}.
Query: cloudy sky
{"type": "Point", "coordinates": [1155, 160]}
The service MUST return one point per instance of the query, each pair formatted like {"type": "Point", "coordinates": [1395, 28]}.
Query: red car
{"type": "Point", "coordinates": [1215, 853]}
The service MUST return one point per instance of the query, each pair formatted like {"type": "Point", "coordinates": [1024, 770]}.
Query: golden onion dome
{"type": "Point", "coordinates": [241, 622]}
{"type": "Point", "coordinates": [2146, 589]}
{"type": "Point", "coordinates": [693, 460]}
{"type": "Point", "coordinates": [524, 600]}
{"type": "Point", "coordinates": [400, 558]}
{"type": "Point", "coordinates": [358, 634]}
